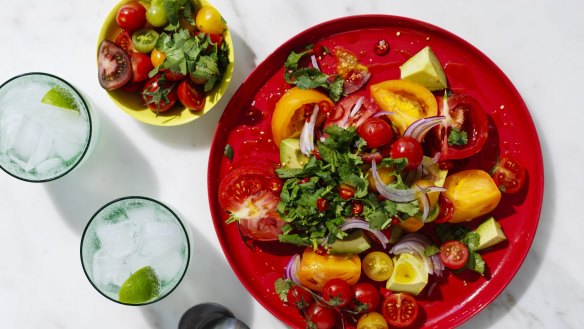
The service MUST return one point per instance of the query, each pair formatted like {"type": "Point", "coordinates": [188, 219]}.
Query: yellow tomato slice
{"type": "Point", "coordinates": [377, 266]}
{"type": "Point", "coordinates": [315, 270]}
{"type": "Point", "coordinates": [407, 101]}
{"type": "Point", "coordinates": [288, 117]}
{"type": "Point", "coordinates": [473, 193]}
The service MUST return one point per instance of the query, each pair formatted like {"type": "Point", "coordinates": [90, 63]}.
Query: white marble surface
{"type": "Point", "coordinates": [538, 44]}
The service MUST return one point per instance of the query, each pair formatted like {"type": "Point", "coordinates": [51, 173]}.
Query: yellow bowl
{"type": "Point", "coordinates": [132, 103]}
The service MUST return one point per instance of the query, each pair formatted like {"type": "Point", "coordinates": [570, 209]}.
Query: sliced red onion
{"type": "Point", "coordinates": [425, 204]}
{"type": "Point", "coordinates": [292, 268]}
{"type": "Point", "coordinates": [307, 134]}
{"type": "Point", "coordinates": [390, 193]}
{"type": "Point", "coordinates": [419, 128]}
{"type": "Point", "coordinates": [314, 62]}
{"type": "Point", "coordinates": [357, 106]}
{"type": "Point", "coordinates": [352, 223]}
{"type": "Point", "coordinates": [416, 243]}
{"type": "Point", "coordinates": [437, 263]}
{"type": "Point", "coordinates": [382, 113]}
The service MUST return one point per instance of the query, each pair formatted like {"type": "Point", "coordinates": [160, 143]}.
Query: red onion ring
{"type": "Point", "coordinates": [416, 243]}
{"type": "Point", "coordinates": [307, 134]}
{"type": "Point", "coordinates": [352, 223]}
{"type": "Point", "coordinates": [291, 269]}
{"type": "Point", "coordinates": [357, 106]}
{"type": "Point", "coordinates": [419, 128]}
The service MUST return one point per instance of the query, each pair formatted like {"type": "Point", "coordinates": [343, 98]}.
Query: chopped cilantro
{"type": "Point", "coordinates": [228, 152]}
{"type": "Point", "coordinates": [457, 137]}
{"type": "Point", "coordinates": [311, 78]}
{"type": "Point", "coordinates": [469, 238]}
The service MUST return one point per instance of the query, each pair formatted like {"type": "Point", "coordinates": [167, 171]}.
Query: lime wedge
{"type": "Point", "coordinates": [60, 97]}
{"type": "Point", "coordinates": [142, 286]}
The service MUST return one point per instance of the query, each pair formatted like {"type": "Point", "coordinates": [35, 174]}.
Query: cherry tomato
{"type": "Point", "coordinates": [376, 132]}
{"type": "Point", "coordinates": [190, 95]}
{"type": "Point", "coordinates": [377, 266]}
{"type": "Point", "coordinates": [367, 295]}
{"type": "Point", "coordinates": [157, 57]}
{"type": "Point", "coordinates": [356, 207]}
{"type": "Point", "coordinates": [124, 40]}
{"type": "Point", "coordinates": [251, 193]}
{"type": "Point", "coordinates": [453, 254]}
{"type": "Point", "coordinates": [337, 292]}
{"type": "Point", "coordinates": [409, 148]}
{"type": "Point", "coordinates": [299, 297]}
{"type": "Point", "coordinates": [509, 174]}
{"type": "Point", "coordinates": [214, 38]}
{"type": "Point", "coordinates": [446, 210]}
{"type": "Point", "coordinates": [131, 16]}
{"type": "Point", "coordinates": [159, 95]}
{"type": "Point", "coordinates": [172, 75]}
{"type": "Point", "coordinates": [144, 40]}
{"type": "Point", "coordinates": [466, 115]}
{"type": "Point", "coordinates": [156, 15]}
{"type": "Point", "coordinates": [322, 204]}
{"type": "Point", "coordinates": [346, 192]}
{"type": "Point", "coordinates": [209, 20]}
{"type": "Point", "coordinates": [372, 320]}
{"type": "Point", "coordinates": [400, 310]}
{"type": "Point", "coordinates": [113, 65]}
{"type": "Point", "coordinates": [320, 317]}
{"type": "Point", "coordinates": [141, 66]}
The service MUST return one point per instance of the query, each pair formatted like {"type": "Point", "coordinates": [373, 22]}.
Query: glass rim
{"type": "Point", "coordinates": [89, 137]}
{"type": "Point", "coordinates": [137, 197]}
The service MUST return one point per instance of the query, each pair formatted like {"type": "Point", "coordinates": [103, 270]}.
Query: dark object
{"type": "Point", "coordinates": [210, 316]}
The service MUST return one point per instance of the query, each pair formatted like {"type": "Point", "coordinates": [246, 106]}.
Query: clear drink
{"type": "Point", "coordinates": [135, 250]}
{"type": "Point", "coordinates": [45, 127]}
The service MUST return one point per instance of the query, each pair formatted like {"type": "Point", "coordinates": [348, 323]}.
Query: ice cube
{"type": "Point", "coordinates": [117, 239]}
{"type": "Point", "coordinates": [65, 123]}
{"type": "Point", "coordinates": [140, 214]}
{"type": "Point", "coordinates": [170, 264]}
{"type": "Point", "coordinates": [25, 143]}
{"type": "Point", "coordinates": [160, 237]}
{"type": "Point", "coordinates": [108, 270]}
{"type": "Point", "coordinates": [49, 165]}
{"type": "Point", "coordinates": [9, 124]}
{"type": "Point", "coordinates": [66, 148]}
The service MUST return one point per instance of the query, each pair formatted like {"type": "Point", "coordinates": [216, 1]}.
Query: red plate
{"type": "Point", "coordinates": [468, 70]}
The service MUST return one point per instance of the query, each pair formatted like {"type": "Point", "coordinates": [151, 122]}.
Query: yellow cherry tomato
{"type": "Point", "coordinates": [157, 57]}
{"type": "Point", "coordinates": [473, 193]}
{"type": "Point", "coordinates": [315, 270]}
{"type": "Point", "coordinates": [377, 266]}
{"type": "Point", "coordinates": [209, 20]}
{"type": "Point", "coordinates": [290, 113]}
{"type": "Point", "coordinates": [372, 320]}
{"type": "Point", "coordinates": [408, 101]}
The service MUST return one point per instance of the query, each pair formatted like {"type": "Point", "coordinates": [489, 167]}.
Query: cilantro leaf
{"type": "Point", "coordinates": [457, 137]}
{"type": "Point", "coordinates": [228, 152]}
{"type": "Point", "coordinates": [281, 286]}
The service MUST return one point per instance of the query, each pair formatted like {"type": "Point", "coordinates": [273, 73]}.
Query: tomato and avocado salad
{"type": "Point", "coordinates": [367, 173]}
{"type": "Point", "coordinates": [169, 51]}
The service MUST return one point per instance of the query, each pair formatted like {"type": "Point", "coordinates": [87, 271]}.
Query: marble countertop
{"type": "Point", "coordinates": [538, 44]}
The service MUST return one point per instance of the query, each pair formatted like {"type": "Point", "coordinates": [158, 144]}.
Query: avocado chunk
{"type": "Point", "coordinates": [290, 154]}
{"type": "Point", "coordinates": [425, 69]}
{"type": "Point", "coordinates": [490, 233]}
{"type": "Point", "coordinates": [354, 243]}
{"type": "Point", "coordinates": [409, 274]}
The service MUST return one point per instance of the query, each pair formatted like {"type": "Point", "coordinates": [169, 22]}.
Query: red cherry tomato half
{"type": "Point", "coordinates": [346, 192]}
{"type": "Point", "coordinates": [159, 95]}
{"type": "Point", "coordinates": [409, 148]}
{"type": "Point", "coordinates": [337, 292]}
{"type": "Point", "coordinates": [453, 254]}
{"type": "Point", "coordinates": [446, 210]}
{"type": "Point", "coordinates": [320, 317]}
{"type": "Point", "coordinates": [467, 115]}
{"type": "Point", "coordinates": [400, 310]}
{"type": "Point", "coordinates": [252, 193]}
{"type": "Point", "coordinates": [299, 297]}
{"type": "Point", "coordinates": [376, 132]}
{"type": "Point", "coordinates": [367, 295]}
{"type": "Point", "coordinates": [141, 66]}
{"type": "Point", "coordinates": [509, 174]}
{"type": "Point", "coordinates": [124, 40]}
{"type": "Point", "coordinates": [191, 95]}
{"type": "Point", "coordinates": [131, 16]}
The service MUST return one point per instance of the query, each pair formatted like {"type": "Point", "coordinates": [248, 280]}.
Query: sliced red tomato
{"type": "Point", "coordinates": [251, 194]}
{"type": "Point", "coordinates": [124, 40]}
{"type": "Point", "coordinates": [341, 113]}
{"type": "Point", "coordinates": [446, 210]}
{"type": "Point", "coordinates": [191, 95]}
{"type": "Point", "coordinates": [509, 174]}
{"type": "Point", "coordinates": [468, 117]}
{"type": "Point", "coordinates": [400, 310]}
{"type": "Point", "coordinates": [453, 254]}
